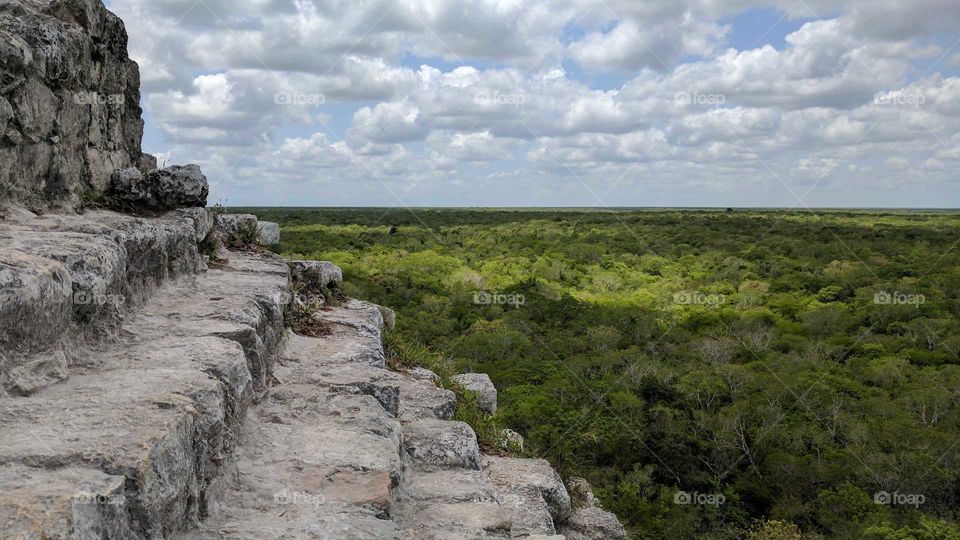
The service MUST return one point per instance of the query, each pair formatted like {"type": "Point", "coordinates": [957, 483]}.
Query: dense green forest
{"type": "Point", "coordinates": [714, 374]}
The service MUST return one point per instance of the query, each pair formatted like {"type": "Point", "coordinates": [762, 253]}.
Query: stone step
{"type": "Point", "coordinates": [431, 444]}
{"type": "Point", "coordinates": [422, 399]}
{"type": "Point", "coordinates": [443, 493]}
{"type": "Point", "coordinates": [80, 503]}
{"type": "Point", "coordinates": [159, 408]}
{"type": "Point", "coordinates": [356, 337]}
{"type": "Point", "coordinates": [400, 394]}
{"type": "Point", "coordinates": [69, 280]}
{"type": "Point", "coordinates": [324, 462]}
{"type": "Point", "coordinates": [438, 503]}
{"type": "Point", "coordinates": [532, 492]}
{"type": "Point", "coordinates": [157, 429]}
{"type": "Point", "coordinates": [321, 452]}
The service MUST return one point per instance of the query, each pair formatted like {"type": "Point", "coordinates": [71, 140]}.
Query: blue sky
{"type": "Point", "coordinates": [562, 103]}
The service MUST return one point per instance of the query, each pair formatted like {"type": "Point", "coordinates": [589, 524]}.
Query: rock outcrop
{"type": "Point", "coordinates": [66, 282]}
{"type": "Point", "coordinates": [482, 388]}
{"type": "Point", "coordinates": [157, 361]}
{"type": "Point", "coordinates": [588, 521]}
{"type": "Point", "coordinates": [268, 233]}
{"type": "Point", "coordinates": [69, 101]}
{"type": "Point", "coordinates": [316, 274]}
{"type": "Point", "coordinates": [158, 190]}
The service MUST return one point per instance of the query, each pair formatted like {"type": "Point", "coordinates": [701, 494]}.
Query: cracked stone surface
{"type": "Point", "coordinates": [154, 407]}
{"type": "Point", "coordinates": [69, 280]}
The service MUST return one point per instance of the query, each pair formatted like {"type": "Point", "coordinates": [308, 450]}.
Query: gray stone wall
{"type": "Point", "coordinates": [69, 101]}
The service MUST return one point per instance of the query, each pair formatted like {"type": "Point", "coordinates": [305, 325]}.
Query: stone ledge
{"type": "Point", "coordinates": [70, 280]}
{"type": "Point", "coordinates": [161, 406]}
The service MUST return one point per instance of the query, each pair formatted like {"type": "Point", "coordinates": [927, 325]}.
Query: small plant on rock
{"type": "Point", "coordinates": [210, 246]}
{"type": "Point", "coordinates": [90, 200]}
{"type": "Point", "coordinates": [303, 313]}
{"type": "Point", "coordinates": [246, 234]}
{"type": "Point", "coordinates": [217, 210]}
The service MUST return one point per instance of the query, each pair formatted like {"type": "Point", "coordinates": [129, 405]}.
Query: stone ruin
{"type": "Point", "coordinates": [150, 385]}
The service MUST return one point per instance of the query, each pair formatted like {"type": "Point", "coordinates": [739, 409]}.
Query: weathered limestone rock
{"type": "Point", "coordinates": [422, 374]}
{"type": "Point", "coordinates": [66, 280]}
{"type": "Point", "coordinates": [356, 337]}
{"type": "Point", "coordinates": [142, 425]}
{"type": "Point", "coordinates": [432, 444]}
{"type": "Point", "coordinates": [78, 503]}
{"type": "Point", "coordinates": [245, 305]}
{"type": "Point", "coordinates": [158, 190]}
{"type": "Point", "coordinates": [319, 274]}
{"type": "Point", "coordinates": [203, 221]}
{"type": "Point", "coordinates": [146, 163]}
{"type": "Point", "coordinates": [389, 317]}
{"type": "Point", "coordinates": [588, 521]}
{"type": "Point", "coordinates": [480, 385]}
{"type": "Point", "coordinates": [36, 302]}
{"type": "Point", "coordinates": [321, 457]}
{"type": "Point", "coordinates": [510, 440]}
{"type": "Point", "coordinates": [268, 233]}
{"type": "Point", "coordinates": [581, 493]}
{"type": "Point", "coordinates": [445, 521]}
{"type": "Point", "coordinates": [593, 524]}
{"type": "Point", "coordinates": [383, 385]}
{"type": "Point", "coordinates": [448, 485]}
{"type": "Point", "coordinates": [230, 223]}
{"type": "Point", "coordinates": [96, 265]}
{"type": "Point", "coordinates": [159, 409]}
{"type": "Point", "coordinates": [421, 399]}
{"type": "Point", "coordinates": [231, 227]}
{"type": "Point", "coordinates": [537, 496]}
{"type": "Point", "coordinates": [69, 101]}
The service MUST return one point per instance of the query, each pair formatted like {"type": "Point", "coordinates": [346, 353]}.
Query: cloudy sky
{"type": "Point", "coordinates": [591, 103]}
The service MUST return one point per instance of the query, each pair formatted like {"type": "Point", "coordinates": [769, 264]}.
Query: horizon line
{"type": "Point", "coordinates": [609, 208]}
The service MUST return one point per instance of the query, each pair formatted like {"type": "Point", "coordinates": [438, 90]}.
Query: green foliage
{"type": "Point", "coordinates": [91, 200]}
{"type": "Point", "coordinates": [774, 530]}
{"type": "Point", "coordinates": [246, 234]}
{"type": "Point", "coordinates": [928, 529]}
{"type": "Point", "coordinates": [746, 354]}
